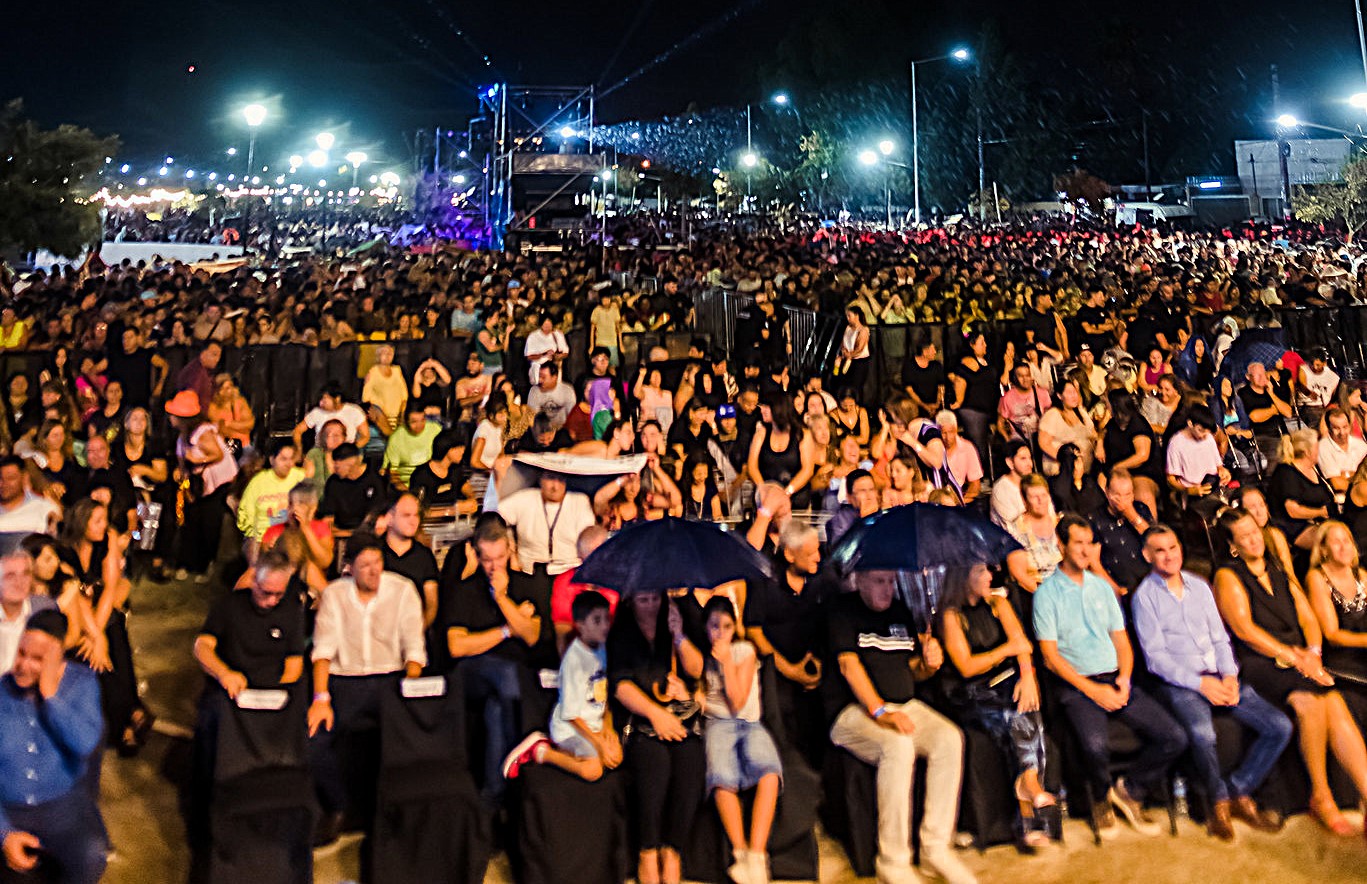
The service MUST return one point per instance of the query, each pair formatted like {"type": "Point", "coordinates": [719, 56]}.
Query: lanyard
{"type": "Point", "coordinates": [550, 528]}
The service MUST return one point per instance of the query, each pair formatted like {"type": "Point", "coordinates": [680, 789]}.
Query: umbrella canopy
{"type": "Point", "coordinates": [1265, 345]}
{"type": "Point", "coordinates": [669, 554]}
{"type": "Point", "coordinates": [921, 537]}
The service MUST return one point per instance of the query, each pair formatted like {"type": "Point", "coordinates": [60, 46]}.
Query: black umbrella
{"type": "Point", "coordinates": [920, 537]}
{"type": "Point", "coordinates": [669, 554]}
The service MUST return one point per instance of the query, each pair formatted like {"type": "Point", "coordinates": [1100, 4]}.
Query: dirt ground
{"type": "Point", "coordinates": [140, 802]}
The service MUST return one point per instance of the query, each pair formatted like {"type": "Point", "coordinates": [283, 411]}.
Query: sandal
{"type": "Point", "coordinates": [141, 725]}
{"type": "Point", "coordinates": [1327, 812]}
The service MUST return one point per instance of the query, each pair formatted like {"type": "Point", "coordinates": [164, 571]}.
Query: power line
{"type": "Point", "coordinates": [704, 31]}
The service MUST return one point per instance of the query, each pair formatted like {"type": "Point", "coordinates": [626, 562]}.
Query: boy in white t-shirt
{"type": "Point", "coordinates": [582, 741]}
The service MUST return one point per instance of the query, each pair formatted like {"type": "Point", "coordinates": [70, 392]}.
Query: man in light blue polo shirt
{"type": "Point", "coordinates": [1081, 633]}
{"type": "Point", "coordinates": [1186, 646]}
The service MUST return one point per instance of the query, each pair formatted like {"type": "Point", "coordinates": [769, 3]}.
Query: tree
{"type": "Point", "coordinates": [1081, 186]}
{"type": "Point", "coordinates": [44, 203]}
{"type": "Point", "coordinates": [1344, 203]}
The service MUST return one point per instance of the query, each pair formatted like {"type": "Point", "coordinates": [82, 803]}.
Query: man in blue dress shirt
{"type": "Point", "coordinates": [1187, 647]}
{"type": "Point", "coordinates": [50, 728]}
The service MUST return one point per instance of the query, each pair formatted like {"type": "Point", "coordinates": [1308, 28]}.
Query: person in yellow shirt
{"type": "Point", "coordinates": [265, 501]}
{"type": "Point", "coordinates": [385, 391]}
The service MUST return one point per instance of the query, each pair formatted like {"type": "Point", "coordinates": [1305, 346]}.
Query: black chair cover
{"type": "Point", "coordinates": [570, 830]}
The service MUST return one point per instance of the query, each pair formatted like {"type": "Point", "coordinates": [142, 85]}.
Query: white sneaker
{"type": "Point", "coordinates": [895, 873]}
{"type": "Point", "coordinates": [759, 867]}
{"type": "Point", "coordinates": [942, 863]}
{"type": "Point", "coordinates": [741, 869]}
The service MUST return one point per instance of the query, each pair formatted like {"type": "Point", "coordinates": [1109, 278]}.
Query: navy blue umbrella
{"type": "Point", "coordinates": [1265, 345]}
{"type": "Point", "coordinates": [669, 554]}
{"type": "Point", "coordinates": [921, 537]}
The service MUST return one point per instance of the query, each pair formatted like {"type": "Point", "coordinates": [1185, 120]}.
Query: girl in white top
{"type": "Point", "coordinates": [740, 752]}
{"type": "Point", "coordinates": [486, 446]}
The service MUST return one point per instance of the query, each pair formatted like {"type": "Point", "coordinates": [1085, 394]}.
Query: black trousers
{"type": "Point", "coordinates": [72, 834]}
{"type": "Point", "coordinates": [198, 536]}
{"type": "Point", "coordinates": [667, 785]}
{"type": "Point", "coordinates": [345, 760]}
{"type": "Point", "coordinates": [118, 686]}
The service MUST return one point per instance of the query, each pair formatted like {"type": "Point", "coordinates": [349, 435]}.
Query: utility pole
{"type": "Point", "coordinates": [982, 173]}
{"type": "Point", "coordinates": [1148, 180]}
{"type": "Point", "coordinates": [915, 150]}
{"type": "Point", "coordinates": [1362, 40]}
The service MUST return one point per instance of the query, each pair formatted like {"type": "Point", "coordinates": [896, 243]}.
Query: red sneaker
{"type": "Point", "coordinates": [524, 753]}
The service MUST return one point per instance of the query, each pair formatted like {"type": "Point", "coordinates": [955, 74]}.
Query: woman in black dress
{"type": "Point", "coordinates": [782, 451]}
{"type": "Point", "coordinates": [653, 669]}
{"type": "Point", "coordinates": [1277, 641]}
{"type": "Point", "coordinates": [95, 554]}
{"type": "Point", "coordinates": [1298, 495]}
{"type": "Point", "coordinates": [992, 685]}
{"type": "Point", "coordinates": [1128, 441]}
{"type": "Point", "coordinates": [977, 390]}
{"type": "Point", "coordinates": [1337, 587]}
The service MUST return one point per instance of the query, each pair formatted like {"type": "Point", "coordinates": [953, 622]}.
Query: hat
{"type": "Point", "coordinates": [725, 411]}
{"type": "Point", "coordinates": [184, 404]}
{"type": "Point", "coordinates": [50, 621]}
{"type": "Point", "coordinates": [1084, 346]}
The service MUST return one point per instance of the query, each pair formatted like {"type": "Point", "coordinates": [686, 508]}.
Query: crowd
{"type": "Point", "coordinates": [1146, 404]}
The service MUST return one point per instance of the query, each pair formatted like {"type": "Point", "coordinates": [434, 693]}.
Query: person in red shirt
{"type": "Point", "coordinates": [565, 589]}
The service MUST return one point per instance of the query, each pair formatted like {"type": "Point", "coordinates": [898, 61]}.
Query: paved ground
{"type": "Point", "coordinates": [140, 803]}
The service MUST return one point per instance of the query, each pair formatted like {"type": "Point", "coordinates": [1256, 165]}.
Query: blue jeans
{"type": "Point", "coordinates": [1271, 725]}
{"type": "Point", "coordinates": [1163, 738]}
{"type": "Point", "coordinates": [739, 754]}
{"type": "Point", "coordinates": [496, 683]}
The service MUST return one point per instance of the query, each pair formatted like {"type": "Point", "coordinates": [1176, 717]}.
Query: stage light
{"type": "Point", "coordinates": [213, 176]}
{"type": "Point", "coordinates": [163, 171]}
{"type": "Point", "coordinates": [389, 179]}
{"type": "Point", "coordinates": [1288, 121]}
{"type": "Point", "coordinates": [868, 158]}
{"type": "Point", "coordinates": [124, 168]}
{"type": "Point", "coordinates": [296, 160]}
{"type": "Point", "coordinates": [463, 154]}
{"type": "Point", "coordinates": [749, 160]}
{"type": "Point", "coordinates": [491, 92]}
{"type": "Point", "coordinates": [142, 181]}
{"type": "Point", "coordinates": [374, 179]}
{"type": "Point", "coordinates": [458, 179]}
{"type": "Point", "coordinates": [322, 182]}
{"type": "Point", "coordinates": [170, 161]}
{"type": "Point", "coordinates": [567, 132]}
{"type": "Point", "coordinates": [716, 170]}
{"type": "Point", "coordinates": [357, 157]}
{"type": "Point", "coordinates": [886, 147]}
{"type": "Point", "coordinates": [318, 158]}
{"type": "Point", "coordinates": [325, 140]}
{"type": "Point", "coordinates": [635, 136]}
{"type": "Point", "coordinates": [645, 164]}
{"type": "Point", "coordinates": [108, 160]}
{"type": "Point", "coordinates": [189, 173]}
{"type": "Point", "coordinates": [256, 180]}
{"type": "Point", "coordinates": [254, 114]}
{"type": "Point", "coordinates": [232, 151]}
{"type": "Point", "coordinates": [607, 175]}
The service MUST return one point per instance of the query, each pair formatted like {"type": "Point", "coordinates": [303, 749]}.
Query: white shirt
{"type": "Point", "coordinates": [351, 416]}
{"type": "Point", "coordinates": [556, 404]}
{"type": "Point", "coordinates": [29, 517]}
{"type": "Point", "coordinates": [1335, 461]}
{"type": "Point", "coordinates": [10, 633]}
{"type": "Point", "coordinates": [1317, 389]}
{"type": "Point", "coordinates": [369, 639]}
{"type": "Point", "coordinates": [715, 704]}
{"type": "Point", "coordinates": [1007, 502]}
{"type": "Point", "coordinates": [533, 519]}
{"type": "Point", "coordinates": [539, 342]}
{"type": "Point", "coordinates": [583, 691]}
{"type": "Point", "coordinates": [493, 445]}
{"type": "Point", "coordinates": [1190, 460]}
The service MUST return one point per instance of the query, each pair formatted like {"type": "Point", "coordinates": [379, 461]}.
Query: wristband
{"type": "Point", "coordinates": [879, 712]}
{"type": "Point", "coordinates": [788, 490]}
{"type": "Point", "coordinates": [1316, 650]}
{"type": "Point", "coordinates": [322, 697]}
{"type": "Point", "coordinates": [506, 631]}
{"type": "Point", "coordinates": [766, 512]}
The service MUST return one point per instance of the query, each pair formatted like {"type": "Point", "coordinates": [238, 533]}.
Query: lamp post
{"type": "Point", "coordinates": [254, 115]}
{"type": "Point", "coordinates": [883, 155]}
{"type": "Point", "coordinates": [356, 157]}
{"type": "Point", "coordinates": [961, 55]}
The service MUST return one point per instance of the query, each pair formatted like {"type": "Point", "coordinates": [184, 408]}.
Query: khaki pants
{"type": "Point", "coordinates": [936, 739]}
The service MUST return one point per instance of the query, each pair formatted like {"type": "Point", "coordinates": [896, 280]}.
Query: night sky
{"type": "Point", "coordinates": [372, 72]}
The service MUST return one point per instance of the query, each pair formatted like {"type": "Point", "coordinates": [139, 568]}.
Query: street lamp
{"type": "Point", "coordinates": [325, 140]}
{"type": "Point", "coordinates": [781, 99]}
{"type": "Point", "coordinates": [961, 55]}
{"type": "Point", "coordinates": [318, 158]}
{"type": "Point", "coordinates": [886, 147]}
{"type": "Point", "coordinates": [254, 115]}
{"type": "Point", "coordinates": [356, 157]}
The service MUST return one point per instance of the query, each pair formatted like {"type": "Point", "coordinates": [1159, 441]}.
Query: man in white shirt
{"type": "Point", "coordinates": [1193, 458]}
{"type": "Point", "coordinates": [369, 625]}
{"type": "Point", "coordinates": [551, 396]}
{"type": "Point", "coordinates": [1007, 503]}
{"type": "Point", "coordinates": [544, 345]}
{"type": "Point", "coordinates": [1315, 386]}
{"type": "Point", "coordinates": [1340, 451]}
{"type": "Point", "coordinates": [332, 406]}
{"type": "Point", "coordinates": [17, 602]}
{"type": "Point", "coordinates": [960, 456]}
{"type": "Point", "coordinates": [548, 520]}
{"type": "Point", "coordinates": [22, 511]}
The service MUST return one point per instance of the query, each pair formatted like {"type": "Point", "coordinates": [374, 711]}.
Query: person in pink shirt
{"type": "Point", "coordinates": [961, 458]}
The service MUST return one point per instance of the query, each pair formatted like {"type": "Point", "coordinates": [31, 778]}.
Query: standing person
{"type": "Point", "coordinates": [198, 374]}
{"type": "Point", "coordinates": [369, 626]}
{"type": "Point", "coordinates": [605, 327]}
{"type": "Point", "coordinates": [472, 389]}
{"type": "Point", "coordinates": [51, 725]}
{"type": "Point", "coordinates": [385, 391]}
{"type": "Point", "coordinates": [205, 474]}
{"type": "Point", "coordinates": [882, 654]}
{"type": "Point", "coordinates": [852, 366]}
{"type": "Point", "coordinates": [993, 686]}
{"type": "Point", "coordinates": [1187, 647]}
{"type": "Point", "coordinates": [491, 343]}
{"type": "Point", "coordinates": [142, 372]}
{"type": "Point", "coordinates": [546, 345]}
{"type": "Point", "coordinates": [976, 392]}
{"type": "Point", "coordinates": [431, 387]}
{"type": "Point", "coordinates": [1082, 637]}
{"type": "Point", "coordinates": [782, 451]}
{"type": "Point", "coordinates": [1277, 641]}
{"type": "Point", "coordinates": [405, 556]}
{"type": "Point", "coordinates": [923, 377]}
{"type": "Point", "coordinates": [229, 411]}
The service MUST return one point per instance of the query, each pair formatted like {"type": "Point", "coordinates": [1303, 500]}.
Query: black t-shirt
{"type": "Point", "coordinates": [349, 501]}
{"type": "Point", "coordinates": [792, 621]}
{"type": "Point", "coordinates": [1043, 326]}
{"type": "Point", "coordinates": [693, 443]}
{"type": "Point", "coordinates": [884, 642]}
{"type": "Point", "coordinates": [1094, 316]}
{"type": "Point", "coordinates": [470, 605]}
{"type": "Point", "coordinates": [1122, 548]}
{"type": "Point", "coordinates": [418, 564]}
{"type": "Point", "coordinates": [122, 496]}
{"type": "Point", "coordinates": [529, 444]}
{"type": "Point", "coordinates": [926, 382]}
{"type": "Point", "coordinates": [134, 371]}
{"type": "Point", "coordinates": [1255, 401]}
{"type": "Point", "coordinates": [1120, 446]}
{"type": "Point", "coordinates": [437, 491]}
{"type": "Point", "coordinates": [255, 642]}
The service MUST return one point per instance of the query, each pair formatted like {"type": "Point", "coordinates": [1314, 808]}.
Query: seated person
{"type": "Point", "coordinates": [1119, 528]}
{"type": "Point", "coordinates": [1081, 633]}
{"type": "Point", "coordinates": [409, 446]}
{"type": "Point", "coordinates": [564, 590]}
{"type": "Point", "coordinates": [1008, 504]}
{"type": "Point", "coordinates": [1298, 496]}
{"type": "Point", "coordinates": [440, 484]}
{"type": "Point", "coordinates": [1195, 469]}
{"type": "Point", "coordinates": [353, 491]}
{"type": "Point", "coordinates": [862, 494]}
{"type": "Point", "coordinates": [544, 436]}
{"type": "Point", "coordinates": [583, 741]}
{"type": "Point", "coordinates": [1186, 646]}
{"type": "Point", "coordinates": [313, 534]}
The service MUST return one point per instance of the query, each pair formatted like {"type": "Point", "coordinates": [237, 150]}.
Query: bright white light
{"type": "Point", "coordinates": [163, 171]}
{"type": "Point", "coordinates": [389, 179]}
{"type": "Point", "coordinates": [635, 136]}
{"type": "Point", "coordinates": [213, 176]}
{"type": "Point", "coordinates": [886, 147]}
{"type": "Point", "coordinates": [254, 114]}
{"type": "Point", "coordinates": [322, 182]}
{"type": "Point", "coordinates": [749, 160]}
{"type": "Point", "coordinates": [781, 99]}
{"type": "Point", "coordinates": [232, 177]}
{"type": "Point", "coordinates": [108, 160]}
{"type": "Point", "coordinates": [256, 179]}
{"type": "Point", "coordinates": [960, 54]}
{"type": "Point", "coordinates": [607, 175]}
{"type": "Point", "coordinates": [280, 179]}
{"type": "Point", "coordinates": [325, 140]}
{"type": "Point", "coordinates": [189, 173]}
{"type": "Point", "coordinates": [124, 168]}
{"type": "Point", "coordinates": [142, 181]}
{"type": "Point", "coordinates": [318, 158]}
{"type": "Point", "coordinates": [232, 151]}
{"type": "Point", "coordinates": [1288, 121]}
{"type": "Point", "coordinates": [170, 161]}
{"type": "Point", "coordinates": [1209, 185]}
{"type": "Point", "coordinates": [868, 158]}
{"type": "Point", "coordinates": [491, 92]}
{"type": "Point", "coordinates": [356, 157]}
{"type": "Point", "coordinates": [296, 160]}
{"type": "Point", "coordinates": [374, 179]}
{"type": "Point", "coordinates": [459, 179]}
{"type": "Point", "coordinates": [567, 132]}
{"type": "Point", "coordinates": [716, 170]}
{"type": "Point", "coordinates": [1359, 100]}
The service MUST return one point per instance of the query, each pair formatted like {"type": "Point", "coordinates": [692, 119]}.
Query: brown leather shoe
{"type": "Point", "coordinates": [1246, 809]}
{"type": "Point", "coordinates": [1220, 825]}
